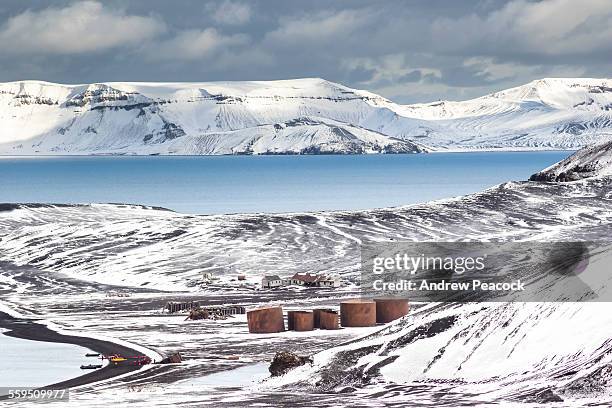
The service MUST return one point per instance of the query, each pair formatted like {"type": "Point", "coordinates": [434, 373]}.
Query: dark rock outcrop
{"type": "Point", "coordinates": [285, 360]}
{"type": "Point", "coordinates": [585, 163]}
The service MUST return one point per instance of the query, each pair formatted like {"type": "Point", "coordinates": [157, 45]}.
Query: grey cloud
{"type": "Point", "coordinates": [548, 28]}
{"type": "Point", "coordinates": [407, 50]}
{"type": "Point", "coordinates": [193, 45]}
{"type": "Point", "coordinates": [230, 12]}
{"type": "Point", "coordinates": [82, 27]}
{"type": "Point", "coordinates": [412, 76]}
{"type": "Point", "coordinates": [359, 75]}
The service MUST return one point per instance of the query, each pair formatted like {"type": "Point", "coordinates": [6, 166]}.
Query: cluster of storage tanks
{"type": "Point", "coordinates": [353, 313]}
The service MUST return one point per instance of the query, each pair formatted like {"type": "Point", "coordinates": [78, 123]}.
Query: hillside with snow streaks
{"type": "Point", "coordinates": [588, 162]}
{"type": "Point", "coordinates": [301, 116]}
{"type": "Point", "coordinates": [464, 354]}
{"type": "Point", "coordinates": [55, 258]}
{"type": "Point", "coordinates": [157, 249]}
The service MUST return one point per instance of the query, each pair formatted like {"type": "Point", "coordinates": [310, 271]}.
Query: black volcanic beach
{"type": "Point", "coordinates": [30, 330]}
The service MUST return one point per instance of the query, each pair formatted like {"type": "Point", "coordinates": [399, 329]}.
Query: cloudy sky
{"type": "Point", "coordinates": [408, 51]}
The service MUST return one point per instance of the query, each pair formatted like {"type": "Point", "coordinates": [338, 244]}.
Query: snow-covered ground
{"type": "Point", "coordinates": [301, 116]}
{"type": "Point", "coordinates": [58, 262]}
{"type": "Point", "coordinates": [539, 353]}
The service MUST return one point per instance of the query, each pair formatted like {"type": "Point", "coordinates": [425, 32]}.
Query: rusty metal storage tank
{"type": "Point", "coordinates": [388, 310]}
{"type": "Point", "coordinates": [328, 320]}
{"type": "Point", "coordinates": [266, 320]}
{"type": "Point", "coordinates": [317, 314]}
{"type": "Point", "coordinates": [290, 320]}
{"type": "Point", "coordinates": [300, 320]}
{"type": "Point", "coordinates": [358, 313]}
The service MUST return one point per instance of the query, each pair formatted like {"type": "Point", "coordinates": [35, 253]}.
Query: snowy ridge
{"type": "Point", "coordinates": [582, 94]}
{"type": "Point", "coordinates": [475, 352]}
{"type": "Point", "coordinates": [589, 162]}
{"type": "Point", "coordinates": [301, 116]}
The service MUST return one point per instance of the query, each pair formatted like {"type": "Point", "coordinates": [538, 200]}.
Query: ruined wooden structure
{"type": "Point", "coordinates": [175, 307]}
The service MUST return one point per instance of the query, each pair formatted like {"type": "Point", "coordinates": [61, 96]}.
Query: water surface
{"type": "Point", "coordinates": [231, 184]}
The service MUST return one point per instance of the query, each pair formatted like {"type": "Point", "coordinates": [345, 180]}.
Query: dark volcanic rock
{"type": "Point", "coordinates": [284, 361]}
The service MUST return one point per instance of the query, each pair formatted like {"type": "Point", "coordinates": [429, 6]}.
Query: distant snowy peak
{"type": "Point", "coordinates": [584, 94]}
{"type": "Point", "coordinates": [593, 161]}
{"type": "Point", "coordinates": [299, 116]}
{"type": "Point", "coordinates": [561, 92]}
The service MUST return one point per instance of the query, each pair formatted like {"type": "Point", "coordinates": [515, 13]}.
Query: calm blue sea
{"type": "Point", "coordinates": [231, 184]}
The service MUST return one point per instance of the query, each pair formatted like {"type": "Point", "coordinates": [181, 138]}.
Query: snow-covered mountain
{"type": "Point", "coordinates": [553, 112]}
{"type": "Point", "coordinates": [293, 116]}
{"type": "Point", "coordinates": [278, 117]}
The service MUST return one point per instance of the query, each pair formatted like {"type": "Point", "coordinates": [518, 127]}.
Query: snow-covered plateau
{"type": "Point", "coordinates": [300, 116]}
{"type": "Point", "coordinates": [57, 263]}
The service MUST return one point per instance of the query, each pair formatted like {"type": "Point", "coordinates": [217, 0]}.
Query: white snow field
{"type": "Point", "coordinates": [300, 116]}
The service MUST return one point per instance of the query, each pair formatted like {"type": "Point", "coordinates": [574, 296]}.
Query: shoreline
{"type": "Point", "coordinates": [28, 329]}
{"type": "Point", "coordinates": [508, 149]}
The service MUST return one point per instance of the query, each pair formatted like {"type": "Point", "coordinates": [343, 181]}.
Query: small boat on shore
{"type": "Point", "coordinates": [92, 355]}
{"type": "Point", "coordinates": [91, 366]}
